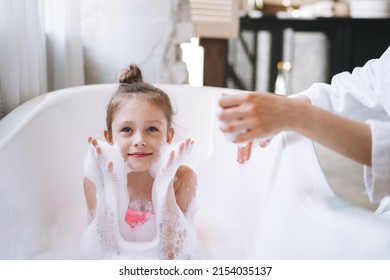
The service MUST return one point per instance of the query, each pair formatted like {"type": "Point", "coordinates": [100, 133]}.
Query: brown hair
{"type": "Point", "coordinates": [131, 84]}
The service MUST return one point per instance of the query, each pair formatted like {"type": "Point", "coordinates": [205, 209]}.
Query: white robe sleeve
{"type": "Point", "coordinates": [377, 177]}
{"type": "Point", "coordinates": [364, 95]}
{"type": "Point", "coordinates": [361, 95]}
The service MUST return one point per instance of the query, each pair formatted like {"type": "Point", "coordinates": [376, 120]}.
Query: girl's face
{"type": "Point", "coordinates": [140, 130]}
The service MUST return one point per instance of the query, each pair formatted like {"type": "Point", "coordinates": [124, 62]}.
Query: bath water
{"type": "Point", "coordinates": [268, 208]}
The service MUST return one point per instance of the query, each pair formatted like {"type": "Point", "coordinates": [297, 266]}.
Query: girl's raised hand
{"type": "Point", "coordinates": [176, 158]}
{"type": "Point", "coordinates": [95, 144]}
{"type": "Point", "coordinates": [99, 155]}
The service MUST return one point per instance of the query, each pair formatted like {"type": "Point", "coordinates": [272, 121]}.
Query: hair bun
{"type": "Point", "coordinates": [131, 75]}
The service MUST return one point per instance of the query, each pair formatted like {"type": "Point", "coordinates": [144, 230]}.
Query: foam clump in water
{"type": "Point", "coordinates": [167, 235]}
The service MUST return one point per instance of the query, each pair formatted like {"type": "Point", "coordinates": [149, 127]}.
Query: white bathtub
{"type": "Point", "coordinates": [277, 206]}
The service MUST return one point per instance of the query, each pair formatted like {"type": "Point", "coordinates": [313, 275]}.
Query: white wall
{"type": "Point", "coordinates": [120, 32]}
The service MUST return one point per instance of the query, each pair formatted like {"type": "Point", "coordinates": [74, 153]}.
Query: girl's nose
{"type": "Point", "coordinates": [139, 141]}
{"type": "Point", "coordinates": [142, 144]}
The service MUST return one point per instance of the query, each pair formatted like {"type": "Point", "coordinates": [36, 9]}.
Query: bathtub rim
{"type": "Point", "coordinates": [15, 121]}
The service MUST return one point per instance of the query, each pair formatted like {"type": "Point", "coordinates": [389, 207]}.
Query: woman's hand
{"type": "Point", "coordinates": [254, 115]}
{"type": "Point", "coordinates": [258, 115]}
{"type": "Point", "coordinates": [244, 152]}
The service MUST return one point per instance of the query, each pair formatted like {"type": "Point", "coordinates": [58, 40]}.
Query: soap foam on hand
{"type": "Point", "coordinates": [229, 136]}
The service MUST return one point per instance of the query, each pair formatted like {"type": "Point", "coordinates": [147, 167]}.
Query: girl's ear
{"type": "Point", "coordinates": [170, 134]}
{"type": "Point", "coordinates": [108, 137]}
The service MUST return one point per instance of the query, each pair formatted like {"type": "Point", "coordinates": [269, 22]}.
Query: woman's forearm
{"type": "Point", "coordinates": [345, 136]}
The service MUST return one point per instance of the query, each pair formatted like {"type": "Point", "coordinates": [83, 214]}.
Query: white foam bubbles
{"type": "Point", "coordinates": [167, 235]}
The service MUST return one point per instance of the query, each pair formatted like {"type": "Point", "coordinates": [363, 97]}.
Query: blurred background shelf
{"type": "Point", "coordinates": [349, 42]}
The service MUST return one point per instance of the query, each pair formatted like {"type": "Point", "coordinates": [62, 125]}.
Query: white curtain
{"type": "Point", "coordinates": [27, 67]}
{"type": "Point", "coordinates": [64, 47]}
{"type": "Point", "coordinates": [22, 53]}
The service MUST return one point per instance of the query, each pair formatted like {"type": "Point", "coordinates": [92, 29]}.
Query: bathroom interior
{"type": "Point", "coordinates": [47, 46]}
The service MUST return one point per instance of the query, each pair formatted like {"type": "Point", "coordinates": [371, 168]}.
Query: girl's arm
{"type": "Point", "coordinates": [185, 186]}
{"type": "Point", "coordinates": [181, 192]}
{"type": "Point", "coordinates": [90, 196]}
{"type": "Point", "coordinates": [89, 186]}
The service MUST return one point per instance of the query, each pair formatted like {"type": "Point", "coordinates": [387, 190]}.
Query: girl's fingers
{"type": "Point", "coordinates": [181, 148]}
{"type": "Point", "coordinates": [188, 142]}
{"type": "Point", "coordinates": [110, 166]}
{"type": "Point", "coordinates": [185, 145]}
{"type": "Point", "coordinates": [95, 143]}
{"type": "Point", "coordinates": [171, 156]}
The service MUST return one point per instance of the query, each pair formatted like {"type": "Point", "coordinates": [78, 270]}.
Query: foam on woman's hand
{"type": "Point", "coordinates": [230, 136]}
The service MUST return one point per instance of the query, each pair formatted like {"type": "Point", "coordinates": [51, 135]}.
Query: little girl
{"type": "Point", "coordinates": [139, 125]}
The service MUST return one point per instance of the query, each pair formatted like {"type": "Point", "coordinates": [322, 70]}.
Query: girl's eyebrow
{"type": "Point", "coordinates": [155, 121]}
{"type": "Point", "coordinates": [125, 122]}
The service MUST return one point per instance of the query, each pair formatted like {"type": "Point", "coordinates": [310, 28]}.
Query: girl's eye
{"type": "Point", "coordinates": [126, 129]}
{"type": "Point", "coordinates": [152, 128]}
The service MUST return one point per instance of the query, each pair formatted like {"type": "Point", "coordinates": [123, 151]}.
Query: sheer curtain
{"type": "Point", "coordinates": [64, 46]}
{"type": "Point", "coordinates": [22, 53]}
{"type": "Point", "coordinates": [40, 49]}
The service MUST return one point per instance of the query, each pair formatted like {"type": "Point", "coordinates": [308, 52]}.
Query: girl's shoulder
{"type": "Point", "coordinates": [185, 187]}
{"type": "Point", "coordinates": [185, 176]}
{"type": "Point", "coordinates": [185, 172]}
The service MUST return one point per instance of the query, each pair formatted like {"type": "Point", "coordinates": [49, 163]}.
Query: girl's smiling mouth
{"type": "Point", "coordinates": [140, 154]}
